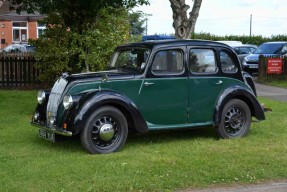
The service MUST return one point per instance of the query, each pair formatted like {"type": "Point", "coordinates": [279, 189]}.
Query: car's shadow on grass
{"type": "Point", "coordinates": [173, 135]}
{"type": "Point", "coordinates": [73, 144]}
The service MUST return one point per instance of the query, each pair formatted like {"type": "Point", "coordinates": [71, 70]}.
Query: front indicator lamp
{"type": "Point", "coordinates": [36, 116]}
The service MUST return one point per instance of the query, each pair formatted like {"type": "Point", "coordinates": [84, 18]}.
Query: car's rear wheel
{"type": "Point", "coordinates": [235, 120]}
{"type": "Point", "coordinates": [106, 131]}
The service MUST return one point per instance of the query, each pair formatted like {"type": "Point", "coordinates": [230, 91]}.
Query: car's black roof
{"type": "Point", "coordinates": [175, 42]}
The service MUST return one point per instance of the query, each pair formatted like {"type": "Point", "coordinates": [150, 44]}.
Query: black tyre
{"type": "Point", "coordinates": [105, 131]}
{"type": "Point", "coordinates": [235, 120]}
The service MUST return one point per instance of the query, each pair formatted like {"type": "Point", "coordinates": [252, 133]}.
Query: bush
{"type": "Point", "coordinates": [63, 50]}
{"type": "Point", "coordinates": [255, 40]}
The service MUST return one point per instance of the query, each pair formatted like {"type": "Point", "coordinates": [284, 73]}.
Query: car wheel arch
{"type": "Point", "coordinates": [242, 94]}
{"type": "Point", "coordinates": [110, 98]}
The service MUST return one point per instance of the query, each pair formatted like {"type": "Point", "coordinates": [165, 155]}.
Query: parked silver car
{"type": "Point", "coordinates": [250, 62]}
{"type": "Point", "coordinates": [244, 50]}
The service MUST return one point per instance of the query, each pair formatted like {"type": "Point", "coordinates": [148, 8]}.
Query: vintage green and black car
{"type": "Point", "coordinates": [156, 85]}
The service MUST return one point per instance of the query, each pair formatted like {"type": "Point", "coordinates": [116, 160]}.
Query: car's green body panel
{"type": "Point", "coordinates": [129, 88]}
{"type": "Point", "coordinates": [164, 102]}
{"type": "Point", "coordinates": [167, 102]}
{"type": "Point", "coordinates": [84, 87]}
{"type": "Point", "coordinates": [203, 96]}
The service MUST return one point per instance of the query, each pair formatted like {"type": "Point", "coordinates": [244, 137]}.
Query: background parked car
{"type": "Point", "coordinates": [244, 50]}
{"type": "Point", "coordinates": [18, 48]}
{"type": "Point", "coordinates": [250, 62]}
{"type": "Point", "coordinates": [231, 43]}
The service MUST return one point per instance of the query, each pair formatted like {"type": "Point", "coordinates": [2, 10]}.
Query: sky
{"type": "Point", "coordinates": [223, 17]}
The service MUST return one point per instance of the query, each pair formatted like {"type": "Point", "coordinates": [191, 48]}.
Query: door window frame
{"type": "Point", "coordinates": [215, 73]}
{"type": "Point", "coordinates": [150, 74]}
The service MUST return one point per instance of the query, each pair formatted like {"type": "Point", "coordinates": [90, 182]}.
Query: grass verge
{"type": "Point", "coordinates": [157, 161]}
{"type": "Point", "coordinates": [277, 83]}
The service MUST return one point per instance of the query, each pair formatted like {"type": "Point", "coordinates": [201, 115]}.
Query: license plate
{"type": "Point", "coordinates": [47, 135]}
{"type": "Point", "coordinates": [253, 66]}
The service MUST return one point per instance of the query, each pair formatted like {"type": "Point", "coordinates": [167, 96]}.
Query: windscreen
{"type": "Point", "coordinates": [269, 48]}
{"type": "Point", "coordinates": [133, 59]}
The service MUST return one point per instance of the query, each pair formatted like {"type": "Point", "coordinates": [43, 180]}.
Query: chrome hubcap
{"type": "Point", "coordinates": [234, 120]}
{"type": "Point", "coordinates": [107, 132]}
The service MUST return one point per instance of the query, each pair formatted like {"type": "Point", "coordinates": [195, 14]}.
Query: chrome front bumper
{"type": "Point", "coordinates": [54, 130]}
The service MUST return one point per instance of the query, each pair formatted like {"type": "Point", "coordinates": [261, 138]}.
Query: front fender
{"type": "Point", "coordinates": [92, 101]}
{"type": "Point", "coordinates": [243, 94]}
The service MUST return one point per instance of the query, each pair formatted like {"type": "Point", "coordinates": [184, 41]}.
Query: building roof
{"type": "Point", "coordinates": [11, 15]}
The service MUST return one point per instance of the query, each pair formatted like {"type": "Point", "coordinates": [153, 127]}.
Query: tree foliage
{"type": "Point", "coordinates": [78, 15]}
{"type": "Point", "coordinates": [80, 35]}
{"type": "Point", "coordinates": [63, 50]}
{"type": "Point", "coordinates": [245, 39]}
{"type": "Point", "coordinates": [137, 20]}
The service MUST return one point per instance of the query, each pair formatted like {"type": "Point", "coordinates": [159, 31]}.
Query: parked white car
{"type": "Point", "coordinates": [18, 48]}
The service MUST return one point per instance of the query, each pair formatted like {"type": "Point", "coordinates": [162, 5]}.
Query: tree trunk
{"type": "Point", "coordinates": [184, 26]}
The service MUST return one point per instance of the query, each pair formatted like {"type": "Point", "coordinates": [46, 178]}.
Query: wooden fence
{"type": "Point", "coordinates": [18, 70]}
{"type": "Point", "coordinates": [272, 68]}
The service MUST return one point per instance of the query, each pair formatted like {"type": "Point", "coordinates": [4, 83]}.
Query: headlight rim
{"type": "Point", "coordinates": [68, 102]}
{"type": "Point", "coordinates": [41, 97]}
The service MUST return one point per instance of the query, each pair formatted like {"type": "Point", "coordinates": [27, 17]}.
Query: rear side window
{"type": "Point", "coordinates": [168, 62]}
{"type": "Point", "coordinates": [228, 64]}
{"type": "Point", "coordinates": [202, 61]}
{"type": "Point", "coordinates": [244, 50]}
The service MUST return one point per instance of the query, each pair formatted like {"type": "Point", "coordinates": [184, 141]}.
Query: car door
{"type": "Point", "coordinates": [204, 84]}
{"type": "Point", "coordinates": [163, 95]}
{"type": "Point", "coordinates": [212, 70]}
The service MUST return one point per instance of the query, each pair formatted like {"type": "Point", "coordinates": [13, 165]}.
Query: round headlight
{"type": "Point", "coordinates": [41, 97]}
{"type": "Point", "coordinates": [68, 102]}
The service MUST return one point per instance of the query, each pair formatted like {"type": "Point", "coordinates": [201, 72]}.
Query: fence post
{"type": "Point", "coordinates": [261, 64]}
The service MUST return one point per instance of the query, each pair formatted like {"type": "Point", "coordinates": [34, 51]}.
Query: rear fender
{"type": "Point", "coordinates": [249, 80]}
{"type": "Point", "coordinates": [243, 94]}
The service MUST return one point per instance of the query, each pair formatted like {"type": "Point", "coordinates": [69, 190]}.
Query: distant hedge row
{"type": "Point", "coordinates": [256, 40]}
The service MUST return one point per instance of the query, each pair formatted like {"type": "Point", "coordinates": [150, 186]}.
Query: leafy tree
{"type": "Point", "coordinates": [137, 21]}
{"type": "Point", "coordinates": [182, 24]}
{"type": "Point", "coordinates": [80, 35]}
{"type": "Point", "coordinates": [61, 50]}
{"type": "Point", "coordinates": [78, 15]}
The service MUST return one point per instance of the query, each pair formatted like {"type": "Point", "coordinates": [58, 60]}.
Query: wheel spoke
{"type": "Point", "coordinates": [104, 122]}
{"type": "Point", "coordinates": [234, 120]}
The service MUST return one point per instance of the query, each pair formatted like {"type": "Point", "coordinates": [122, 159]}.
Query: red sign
{"type": "Point", "coordinates": [274, 65]}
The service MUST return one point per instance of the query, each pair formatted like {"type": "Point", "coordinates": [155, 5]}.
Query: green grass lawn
{"type": "Point", "coordinates": [157, 161]}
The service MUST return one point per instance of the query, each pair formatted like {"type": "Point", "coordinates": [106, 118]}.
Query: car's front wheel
{"type": "Point", "coordinates": [235, 120]}
{"type": "Point", "coordinates": [106, 131]}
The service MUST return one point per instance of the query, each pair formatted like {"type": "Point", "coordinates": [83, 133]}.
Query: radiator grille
{"type": "Point", "coordinates": [54, 98]}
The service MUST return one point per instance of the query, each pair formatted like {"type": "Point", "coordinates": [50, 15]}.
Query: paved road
{"type": "Point", "coordinates": [279, 94]}
{"type": "Point", "coordinates": [272, 187]}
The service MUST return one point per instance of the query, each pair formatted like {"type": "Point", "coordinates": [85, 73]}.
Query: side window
{"type": "Point", "coordinates": [227, 63]}
{"type": "Point", "coordinates": [168, 62]}
{"type": "Point", "coordinates": [202, 61]}
{"type": "Point", "coordinates": [284, 50]}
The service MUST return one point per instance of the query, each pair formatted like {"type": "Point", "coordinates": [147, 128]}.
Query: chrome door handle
{"type": "Point", "coordinates": [219, 82]}
{"type": "Point", "coordinates": [148, 84]}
